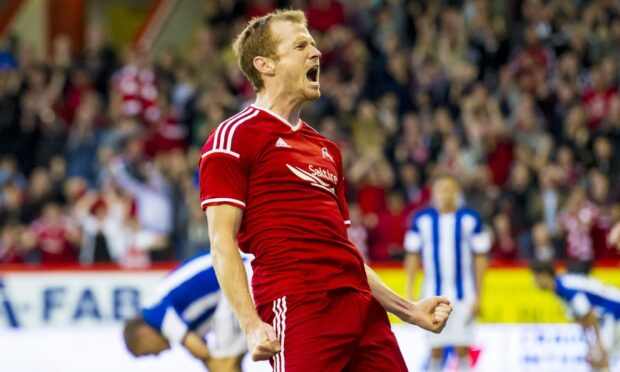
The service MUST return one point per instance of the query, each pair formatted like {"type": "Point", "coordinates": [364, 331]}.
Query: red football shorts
{"type": "Point", "coordinates": [338, 330]}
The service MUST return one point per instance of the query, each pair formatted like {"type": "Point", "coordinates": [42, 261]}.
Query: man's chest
{"type": "Point", "coordinates": [297, 160]}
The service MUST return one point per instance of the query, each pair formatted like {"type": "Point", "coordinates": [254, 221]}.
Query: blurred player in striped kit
{"type": "Point", "coordinates": [450, 242]}
{"type": "Point", "coordinates": [592, 304]}
{"type": "Point", "coordinates": [188, 308]}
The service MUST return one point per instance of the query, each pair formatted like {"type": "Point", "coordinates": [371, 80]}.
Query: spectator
{"type": "Point", "coordinates": [542, 243]}
{"type": "Point", "coordinates": [54, 236]}
{"type": "Point", "coordinates": [521, 103]}
{"type": "Point", "coordinates": [135, 87]}
{"type": "Point", "coordinates": [12, 206]}
{"type": "Point", "coordinates": [598, 97]}
{"type": "Point", "coordinates": [544, 203]}
{"type": "Point", "coordinates": [386, 238]}
{"type": "Point", "coordinates": [102, 221]}
{"type": "Point", "coordinates": [604, 157]}
{"type": "Point", "coordinates": [98, 58]}
{"type": "Point", "coordinates": [374, 176]}
{"type": "Point", "coordinates": [41, 190]}
{"type": "Point", "coordinates": [569, 171]}
{"type": "Point", "coordinates": [10, 173]}
{"type": "Point", "coordinates": [515, 197]}
{"type": "Point", "coordinates": [168, 131]}
{"type": "Point", "coordinates": [412, 146]}
{"type": "Point", "coordinates": [575, 222]}
{"type": "Point", "coordinates": [505, 247]}
{"type": "Point", "coordinates": [11, 248]}
{"type": "Point", "coordinates": [409, 181]}
{"type": "Point", "coordinates": [324, 14]}
{"type": "Point", "coordinates": [486, 203]}
{"type": "Point", "coordinates": [84, 139]}
{"type": "Point", "coordinates": [598, 192]}
{"type": "Point", "coordinates": [151, 192]}
{"type": "Point", "coordinates": [197, 232]}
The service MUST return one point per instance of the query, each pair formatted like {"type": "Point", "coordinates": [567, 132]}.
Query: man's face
{"type": "Point", "coordinates": [151, 342]}
{"type": "Point", "coordinates": [52, 213]}
{"type": "Point", "coordinates": [297, 60]}
{"type": "Point", "coordinates": [445, 194]}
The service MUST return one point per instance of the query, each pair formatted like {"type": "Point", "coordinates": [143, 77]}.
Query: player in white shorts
{"type": "Point", "coordinates": [188, 308]}
{"type": "Point", "coordinates": [451, 243]}
{"type": "Point", "coordinates": [592, 304]}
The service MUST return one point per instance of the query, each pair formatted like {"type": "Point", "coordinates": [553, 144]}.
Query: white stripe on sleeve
{"type": "Point", "coordinates": [481, 242]}
{"type": "Point", "coordinates": [222, 200]}
{"type": "Point", "coordinates": [173, 327]}
{"type": "Point", "coordinates": [413, 242]}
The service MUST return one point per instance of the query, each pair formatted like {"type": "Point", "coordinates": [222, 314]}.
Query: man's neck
{"type": "Point", "coordinates": [447, 210]}
{"type": "Point", "coordinates": [286, 107]}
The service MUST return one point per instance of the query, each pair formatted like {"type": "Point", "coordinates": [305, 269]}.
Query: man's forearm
{"type": "Point", "coordinates": [599, 338]}
{"type": "Point", "coordinates": [233, 280]}
{"type": "Point", "coordinates": [480, 266]}
{"type": "Point", "coordinates": [196, 346]}
{"type": "Point", "coordinates": [411, 269]}
{"type": "Point", "coordinates": [391, 301]}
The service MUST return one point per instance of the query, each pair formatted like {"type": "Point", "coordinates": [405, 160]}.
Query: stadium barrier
{"type": "Point", "coordinates": [521, 328]}
{"type": "Point", "coordinates": [104, 294]}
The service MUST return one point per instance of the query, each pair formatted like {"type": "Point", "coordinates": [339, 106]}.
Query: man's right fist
{"type": "Point", "coordinates": [262, 341]}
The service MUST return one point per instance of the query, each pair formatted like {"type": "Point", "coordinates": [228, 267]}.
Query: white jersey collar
{"type": "Point", "coordinates": [280, 118]}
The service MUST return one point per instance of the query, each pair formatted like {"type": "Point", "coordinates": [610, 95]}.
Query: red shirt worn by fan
{"type": "Point", "coordinates": [53, 241]}
{"type": "Point", "coordinates": [289, 181]}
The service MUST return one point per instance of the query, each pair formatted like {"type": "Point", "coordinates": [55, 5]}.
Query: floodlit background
{"type": "Point", "coordinates": [105, 105]}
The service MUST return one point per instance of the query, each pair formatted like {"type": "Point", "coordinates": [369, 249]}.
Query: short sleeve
{"type": "Point", "coordinates": [580, 305]}
{"type": "Point", "coordinates": [223, 172]}
{"type": "Point", "coordinates": [480, 240]}
{"type": "Point", "coordinates": [173, 326]}
{"type": "Point", "coordinates": [413, 239]}
{"type": "Point", "coordinates": [165, 319]}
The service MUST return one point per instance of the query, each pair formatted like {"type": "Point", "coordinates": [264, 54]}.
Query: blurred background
{"type": "Point", "coordinates": [105, 105]}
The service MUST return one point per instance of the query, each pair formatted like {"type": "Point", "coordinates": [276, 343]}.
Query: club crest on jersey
{"type": "Point", "coordinates": [326, 154]}
{"type": "Point", "coordinates": [281, 143]}
{"type": "Point", "coordinates": [316, 176]}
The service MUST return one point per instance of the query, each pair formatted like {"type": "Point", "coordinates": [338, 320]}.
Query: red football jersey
{"type": "Point", "coordinates": [289, 181]}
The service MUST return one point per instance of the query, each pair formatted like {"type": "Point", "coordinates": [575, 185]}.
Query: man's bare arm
{"type": "Point", "coordinates": [480, 266]}
{"type": "Point", "coordinates": [224, 222]}
{"type": "Point", "coordinates": [196, 346]}
{"type": "Point", "coordinates": [597, 355]}
{"type": "Point", "coordinates": [412, 264]}
{"type": "Point", "coordinates": [431, 313]}
{"type": "Point", "coordinates": [481, 262]}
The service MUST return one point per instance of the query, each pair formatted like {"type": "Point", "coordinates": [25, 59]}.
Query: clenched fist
{"type": "Point", "coordinates": [431, 313]}
{"type": "Point", "coordinates": [262, 341]}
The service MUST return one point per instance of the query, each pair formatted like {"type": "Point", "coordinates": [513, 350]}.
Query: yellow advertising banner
{"type": "Point", "coordinates": [509, 295]}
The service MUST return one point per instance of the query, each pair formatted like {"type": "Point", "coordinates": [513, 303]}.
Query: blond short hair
{"type": "Point", "coordinates": [256, 40]}
{"type": "Point", "coordinates": [445, 175]}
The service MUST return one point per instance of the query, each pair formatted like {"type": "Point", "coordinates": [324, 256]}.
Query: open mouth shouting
{"type": "Point", "coordinates": [313, 75]}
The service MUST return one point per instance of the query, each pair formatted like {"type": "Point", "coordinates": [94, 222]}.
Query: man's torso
{"type": "Point", "coordinates": [294, 213]}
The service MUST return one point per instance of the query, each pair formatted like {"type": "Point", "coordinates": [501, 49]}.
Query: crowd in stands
{"type": "Point", "coordinates": [519, 99]}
